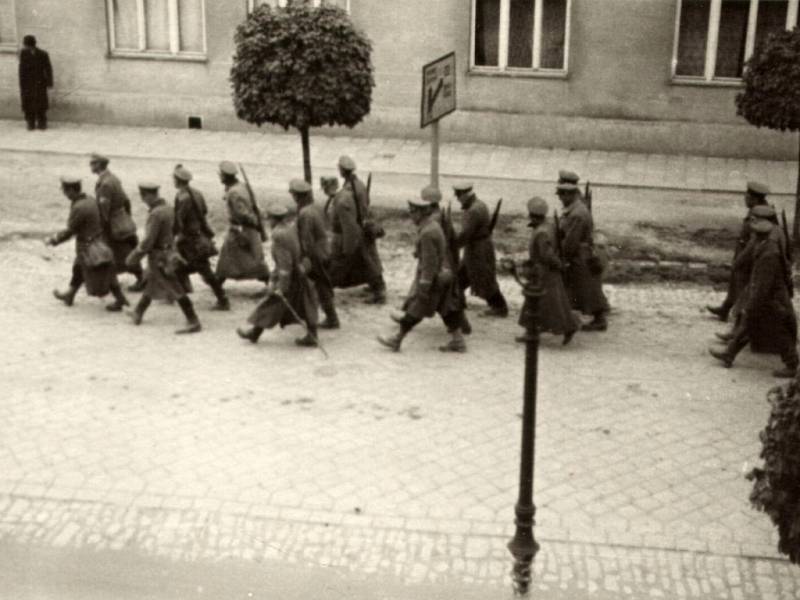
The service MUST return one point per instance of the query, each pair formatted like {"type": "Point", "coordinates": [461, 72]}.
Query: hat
{"type": "Point", "coordinates": [420, 202]}
{"type": "Point", "coordinates": [347, 163]}
{"type": "Point", "coordinates": [68, 180]}
{"type": "Point", "coordinates": [29, 40]}
{"type": "Point", "coordinates": [462, 186]}
{"type": "Point", "coordinates": [761, 226]}
{"type": "Point", "coordinates": [95, 157]}
{"type": "Point", "coordinates": [148, 186]}
{"type": "Point", "coordinates": [182, 173]}
{"type": "Point", "coordinates": [226, 167]}
{"type": "Point", "coordinates": [757, 188]}
{"type": "Point", "coordinates": [277, 209]}
{"type": "Point", "coordinates": [299, 186]}
{"type": "Point", "coordinates": [764, 211]}
{"type": "Point", "coordinates": [568, 177]}
{"type": "Point", "coordinates": [567, 187]}
{"type": "Point", "coordinates": [431, 194]}
{"type": "Point", "coordinates": [537, 206]}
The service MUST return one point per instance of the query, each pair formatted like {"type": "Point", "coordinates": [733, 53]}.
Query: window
{"type": "Point", "coordinates": [157, 28]}
{"type": "Point", "coordinates": [251, 4]}
{"type": "Point", "coordinates": [523, 36]}
{"type": "Point", "coordinates": [8, 26]}
{"type": "Point", "coordinates": [714, 38]}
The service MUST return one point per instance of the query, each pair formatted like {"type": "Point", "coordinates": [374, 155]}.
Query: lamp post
{"type": "Point", "coordinates": [523, 546]}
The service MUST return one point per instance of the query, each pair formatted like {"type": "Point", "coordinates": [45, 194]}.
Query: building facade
{"type": "Point", "coordinates": [634, 75]}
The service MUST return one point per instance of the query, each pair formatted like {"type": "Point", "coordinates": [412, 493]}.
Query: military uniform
{"type": "Point", "coordinates": [477, 270]}
{"type": "Point", "coordinates": [118, 225]}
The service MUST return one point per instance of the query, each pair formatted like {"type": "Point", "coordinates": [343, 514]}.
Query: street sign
{"type": "Point", "coordinates": [438, 89]}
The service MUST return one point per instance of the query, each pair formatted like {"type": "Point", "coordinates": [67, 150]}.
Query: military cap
{"type": "Point", "coordinates": [537, 206]}
{"type": "Point", "coordinates": [347, 163]}
{"type": "Point", "coordinates": [69, 180]}
{"type": "Point", "coordinates": [182, 173]}
{"type": "Point", "coordinates": [761, 226]}
{"type": "Point", "coordinates": [462, 186]}
{"type": "Point", "coordinates": [420, 202]}
{"type": "Point", "coordinates": [277, 210]}
{"type": "Point", "coordinates": [568, 177]}
{"type": "Point", "coordinates": [148, 186]}
{"type": "Point", "coordinates": [757, 188]}
{"type": "Point", "coordinates": [100, 158]}
{"type": "Point", "coordinates": [567, 187]}
{"type": "Point", "coordinates": [226, 167]}
{"type": "Point", "coordinates": [299, 186]}
{"type": "Point", "coordinates": [764, 211]}
{"type": "Point", "coordinates": [431, 194]}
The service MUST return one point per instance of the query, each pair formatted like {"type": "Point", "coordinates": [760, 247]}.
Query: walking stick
{"type": "Point", "coordinates": [302, 322]}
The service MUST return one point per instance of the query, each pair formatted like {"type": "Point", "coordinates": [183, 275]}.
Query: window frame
{"type": "Point", "coordinates": [712, 39]}
{"type": "Point", "coordinates": [173, 26]}
{"type": "Point", "coordinates": [12, 47]}
{"type": "Point", "coordinates": [502, 69]}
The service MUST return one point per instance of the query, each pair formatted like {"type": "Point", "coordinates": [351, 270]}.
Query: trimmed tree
{"type": "Point", "coordinates": [301, 67]}
{"type": "Point", "coordinates": [771, 96]}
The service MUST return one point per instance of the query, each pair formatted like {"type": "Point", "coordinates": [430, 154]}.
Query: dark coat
{"type": "Point", "coordinates": [354, 260]}
{"type": "Point", "coordinates": [242, 253]}
{"type": "Point", "coordinates": [314, 243]}
{"type": "Point", "coordinates": [163, 261]}
{"type": "Point", "coordinates": [434, 288]}
{"type": "Point", "coordinates": [35, 76]}
{"type": "Point", "coordinates": [85, 226]}
{"type": "Point", "coordinates": [193, 235]}
{"type": "Point", "coordinates": [478, 264]}
{"type": "Point", "coordinates": [585, 289]}
{"type": "Point", "coordinates": [769, 316]}
{"type": "Point", "coordinates": [112, 199]}
{"type": "Point", "coordinates": [555, 313]}
{"type": "Point", "coordinates": [290, 279]}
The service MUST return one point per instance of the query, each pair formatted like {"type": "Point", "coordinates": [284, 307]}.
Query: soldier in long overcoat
{"type": "Point", "coordinates": [755, 195]}
{"type": "Point", "coordinates": [544, 265]}
{"type": "Point", "coordinates": [315, 245]}
{"type": "Point", "coordinates": [768, 317]}
{"type": "Point", "coordinates": [94, 264]}
{"type": "Point", "coordinates": [291, 293]}
{"type": "Point", "coordinates": [194, 236]}
{"type": "Point", "coordinates": [164, 278]}
{"type": "Point", "coordinates": [582, 275]}
{"type": "Point", "coordinates": [242, 253]}
{"type": "Point", "coordinates": [35, 77]}
{"type": "Point", "coordinates": [434, 288]}
{"type": "Point", "coordinates": [478, 270]}
{"type": "Point", "coordinates": [115, 212]}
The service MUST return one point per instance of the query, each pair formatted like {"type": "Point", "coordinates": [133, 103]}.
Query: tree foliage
{"type": "Point", "coordinates": [771, 96]}
{"type": "Point", "coordinates": [776, 486]}
{"type": "Point", "coordinates": [301, 67]}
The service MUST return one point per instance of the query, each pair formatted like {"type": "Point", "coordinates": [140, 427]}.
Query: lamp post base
{"type": "Point", "coordinates": [523, 548]}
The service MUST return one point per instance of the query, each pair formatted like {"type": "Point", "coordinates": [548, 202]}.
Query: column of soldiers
{"type": "Point", "coordinates": [318, 248]}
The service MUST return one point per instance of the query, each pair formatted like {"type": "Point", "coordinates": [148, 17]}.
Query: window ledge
{"type": "Point", "coordinates": [519, 74]}
{"type": "Point", "coordinates": [724, 83]}
{"type": "Point", "coordinates": [9, 48]}
{"type": "Point", "coordinates": [149, 55]}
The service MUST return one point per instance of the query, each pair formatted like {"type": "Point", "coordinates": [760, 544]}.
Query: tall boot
{"type": "Point", "coordinates": [140, 280]}
{"type": "Point", "coordinates": [456, 343]}
{"type": "Point", "coordinates": [119, 299]}
{"type": "Point", "coordinates": [599, 323]}
{"type": "Point", "coordinates": [67, 297]}
{"type": "Point", "coordinates": [331, 318]}
{"type": "Point", "coordinates": [137, 313]}
{"type": "Point", "coordinates": [222, 300]}
{"type": "Point", "coordinates": [251, 335]}
{"type": "Point", "coordinates": [466, 327]}
{"type": "Point", "coordinates": [393, 342]}
{"type": "Point", "coordinates": [378, 295]}
{"type": "Point", "coordinates": [192, 322]}
{"type": "Point", "coordinates": [309, 340]}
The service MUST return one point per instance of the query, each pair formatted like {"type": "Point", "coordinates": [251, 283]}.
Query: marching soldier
{"type": "Point", "coordinates": [94, 261]}
{"type": "Point", "coordinates": [291, 295]}
{"type": "Point", "coordinates": [164, 280]}
{"type": "Point", "coordinates": [360, 261]}
{"type": "Point", "coordinates": [329, 185]}
{"type": "Point", "coordinates": [115, 212]}
{"type": "Point", "coordinates": [768, 320]}
{"type": "Point", "coordinates": [242, 253]}
{"type": "Point", "coordinates": [314, 245]}
{"type": "Point", "coordinates": [434, 288]}
{"type": "Point", "coordinates": [193, 235]}
{"type": "Point", "coordinates": [756, 195]}
{"type": "Point", "coordinates": [583, 268]}
{"type": "Point", "coordinates": [477, 270]}
{"type": "Point", "coordinates": [555, 313]}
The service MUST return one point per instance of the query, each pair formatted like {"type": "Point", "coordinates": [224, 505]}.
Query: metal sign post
{"type": "Point", "coordinates": [438, 100]}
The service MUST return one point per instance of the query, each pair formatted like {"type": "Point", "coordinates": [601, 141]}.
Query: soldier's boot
{"type": "Point", "coordinates": [568, 337]}
{"type": "Point", "coordinates": [378, 296]}
{"type": "Point", "coordinates": [222, 299]}
{"type": "Point", "coordinates": [137, 314]}
{"type": "Point", "coordinates": [393, 342]}
{"type": "Point", "coordinates": [723, 356]}
{"type": "Point", "coordinates": [456, 343]}
{"type": "Point", "coordinates": [141, 282]}
{"type": "Point", "coordinates": [192, 322]}
{"type": "Point", "coordinates": [466, 327]}
{"type": "Point", "coordinates": [599, 323]}
{"type": "Point", "coordinates": [119, 299]}
{"type": "Point", "coordinates": [497, 306]}
{"type": "Point", "coordinates": [331, 318]}
{"type": "Point", "coordinates": [309, 340]}
{"type": "Point", "coordinates": [721, 312]}
{"type": "Point", "coordinates": [251, 335]}
{"type": "Point", "coordinates": [67, 297]}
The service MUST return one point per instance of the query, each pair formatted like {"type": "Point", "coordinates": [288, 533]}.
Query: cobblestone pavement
{"type": "Point", "coordinates": [379, 464]}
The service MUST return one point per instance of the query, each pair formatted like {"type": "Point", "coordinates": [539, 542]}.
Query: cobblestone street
{"type": "Point", "coordinates": [380, 466]}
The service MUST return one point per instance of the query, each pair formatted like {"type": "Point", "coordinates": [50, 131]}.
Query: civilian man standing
{"type": "Point", "coordinates": [35, 76]}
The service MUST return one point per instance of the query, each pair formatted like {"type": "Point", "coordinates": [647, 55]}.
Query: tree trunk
{"type": "Point", "coordinates": [796, 224]}
{"type": "Point", "coordinates": [306, 154]}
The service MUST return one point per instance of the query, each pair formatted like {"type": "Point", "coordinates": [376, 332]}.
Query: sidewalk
{"type": "Point", "coordinates": [388, 156]}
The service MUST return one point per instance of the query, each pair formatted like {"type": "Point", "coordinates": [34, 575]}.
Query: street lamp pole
{"type": "Point", "coordinates": [523, 546]}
